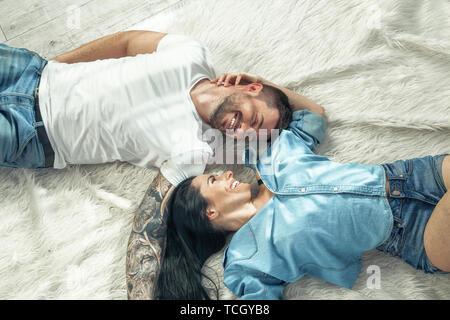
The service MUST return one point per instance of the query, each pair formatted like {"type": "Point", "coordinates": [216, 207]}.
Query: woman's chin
{"type": "Point", "coordinates": [243, 186]}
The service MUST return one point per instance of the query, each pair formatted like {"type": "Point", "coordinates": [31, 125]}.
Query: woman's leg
{"type": "Point", "coordinates": [437, 230]}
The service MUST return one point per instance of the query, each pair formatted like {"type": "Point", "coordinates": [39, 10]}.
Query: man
{"type": "Point", "coordinates": [138, 96]}
{"type": "Point", "coordinates": [112, 100]}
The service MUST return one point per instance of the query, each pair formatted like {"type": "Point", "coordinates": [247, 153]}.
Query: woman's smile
{"type": "Point", "coordinates": [234, 184]}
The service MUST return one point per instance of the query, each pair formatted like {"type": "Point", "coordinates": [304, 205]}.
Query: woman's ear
{"type": "Point", "coordinates": [211, 214]}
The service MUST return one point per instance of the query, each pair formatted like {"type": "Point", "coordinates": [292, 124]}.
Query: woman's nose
{"type": "Point", "coordinates": [227, 175]}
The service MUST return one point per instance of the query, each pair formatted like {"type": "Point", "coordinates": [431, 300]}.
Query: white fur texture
{"type": "Point", "coordinates": [380, 68]}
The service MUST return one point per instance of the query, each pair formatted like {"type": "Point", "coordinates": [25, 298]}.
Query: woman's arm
{"type": "Point", "coordinates": [249, 284]}
{"type": "Point", "coordinates": [147, 241]}
{"type": "Point", "coordinates": [117, 45]}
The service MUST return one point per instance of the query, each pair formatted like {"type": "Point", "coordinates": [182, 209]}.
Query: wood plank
{"type": "Point", "coordinates": [2, 36]}
{"type": "Point", "coordinates": [25, 15]}
{"type": "Point", "coordinates": [97, 18]}
{"type": "Point", "coordinates": [159, 22]}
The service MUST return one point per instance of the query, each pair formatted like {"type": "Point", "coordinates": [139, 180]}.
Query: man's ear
{"type": "Point", "coordinates": [255, 88]}
{"type": "Point", "coordinates": [212, 214]}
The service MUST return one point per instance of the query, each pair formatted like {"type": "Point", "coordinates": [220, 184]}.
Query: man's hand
{"type": "Point", "coordinates": [228, 79]}
{"type": "Point", "coordinates": [147, 241]}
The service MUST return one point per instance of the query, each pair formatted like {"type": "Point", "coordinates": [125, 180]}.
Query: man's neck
{"type": "Point", "coordinates": [206, 96]}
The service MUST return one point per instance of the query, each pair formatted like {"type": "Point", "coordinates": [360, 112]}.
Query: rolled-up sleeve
{"type": "Point", "coordinates": [308, 126]}
{"type": "Point", "coordinates": [254, 286]}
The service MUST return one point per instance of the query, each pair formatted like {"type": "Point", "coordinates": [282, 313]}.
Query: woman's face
{"type": "Point", "coordinates": [224, 193]}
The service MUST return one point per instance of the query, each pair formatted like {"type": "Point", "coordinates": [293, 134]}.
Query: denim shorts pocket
{"type": "Point", "coordinates": [403, 169]}
{"type": "Point", "coordinates": [395, 243]}
{"type": "Point", "coordinates": [23, 144]}
{"type": "Point", "coordinates": [437, 165]}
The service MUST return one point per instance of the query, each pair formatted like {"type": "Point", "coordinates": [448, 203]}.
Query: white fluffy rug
{"type": "Point", "coordinates": [380, 68]}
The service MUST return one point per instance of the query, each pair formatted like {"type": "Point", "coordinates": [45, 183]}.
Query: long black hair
{"type": "Point", "coordinates": [191, 239]}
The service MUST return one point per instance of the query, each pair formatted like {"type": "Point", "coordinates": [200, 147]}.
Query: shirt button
{"type": "Point", "coordinates": [302, 189]}
{"type": "Point", "coordinates": [335, 189]}
{"type": "Point", "coordinates": [396, 193]}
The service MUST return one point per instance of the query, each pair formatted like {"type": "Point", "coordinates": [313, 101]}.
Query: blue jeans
{"type": "Point", "coordinates": [416, 186]}
{"type": "Point", "coordinates": [20, 72]}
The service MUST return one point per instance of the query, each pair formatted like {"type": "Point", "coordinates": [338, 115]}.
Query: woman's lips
{"type": "Point", "coordinates": [235, 183]}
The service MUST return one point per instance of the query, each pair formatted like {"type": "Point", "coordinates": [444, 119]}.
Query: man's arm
{"type": "Point", "coordinates": [147, 241]}
{"type": "Point", "coordinates": [114, 46]}
{"type": "Point", "coordinates": [297, 101]}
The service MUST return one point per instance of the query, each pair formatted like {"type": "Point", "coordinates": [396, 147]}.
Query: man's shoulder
{"type": "Point", "coordinates": [174, 40]}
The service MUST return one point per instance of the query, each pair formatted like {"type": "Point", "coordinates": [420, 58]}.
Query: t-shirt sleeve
{"type": "Point", "coordinates": [172, 41]}
{"type": "Point", "coordinates": [190, 164]}
{"type": "Point", "coordinates": [191, 51]}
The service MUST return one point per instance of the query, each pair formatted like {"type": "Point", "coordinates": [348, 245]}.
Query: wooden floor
{"type": "Point", "coordinates": [51, 27]}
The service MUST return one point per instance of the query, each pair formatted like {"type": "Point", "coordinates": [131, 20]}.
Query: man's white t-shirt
{"type": "Point", "coordinates": [134, 109]}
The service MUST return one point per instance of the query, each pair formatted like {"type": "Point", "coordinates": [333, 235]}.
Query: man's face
{"type": "Point", "coordinates": [243, 112]}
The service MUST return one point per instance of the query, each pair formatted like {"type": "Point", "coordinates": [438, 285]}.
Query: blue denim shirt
{"type": "Point", "coordinates": [322, 217]}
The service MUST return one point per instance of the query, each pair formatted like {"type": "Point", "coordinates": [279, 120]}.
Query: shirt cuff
{"type": "Point", "coordinates": [311, 123]}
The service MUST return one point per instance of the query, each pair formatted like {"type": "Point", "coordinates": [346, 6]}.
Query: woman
{"type": "Point", "coordinates": [311, 217]}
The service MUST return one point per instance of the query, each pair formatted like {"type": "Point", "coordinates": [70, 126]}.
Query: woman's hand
{"type": "Point", "coordinates": [228, 79]}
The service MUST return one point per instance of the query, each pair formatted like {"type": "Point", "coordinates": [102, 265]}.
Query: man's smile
{"type": "Point", "coordinates": [234, 122]}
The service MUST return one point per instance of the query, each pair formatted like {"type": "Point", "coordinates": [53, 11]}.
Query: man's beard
{"type": "Point", "coordinates": [218, 116]}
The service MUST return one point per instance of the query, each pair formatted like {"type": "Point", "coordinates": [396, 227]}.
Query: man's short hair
{"type": "Point", "coordinates": [279, 100]}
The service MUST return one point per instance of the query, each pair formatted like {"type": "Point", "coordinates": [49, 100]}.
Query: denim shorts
{"type": "Point", "coordinates": [416, 186]}
{"type": "Point", "coordinates": [20, 72]}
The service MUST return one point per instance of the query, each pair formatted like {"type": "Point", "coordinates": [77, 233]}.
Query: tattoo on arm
{"type": "Point", "coordinates": [147, 241]}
